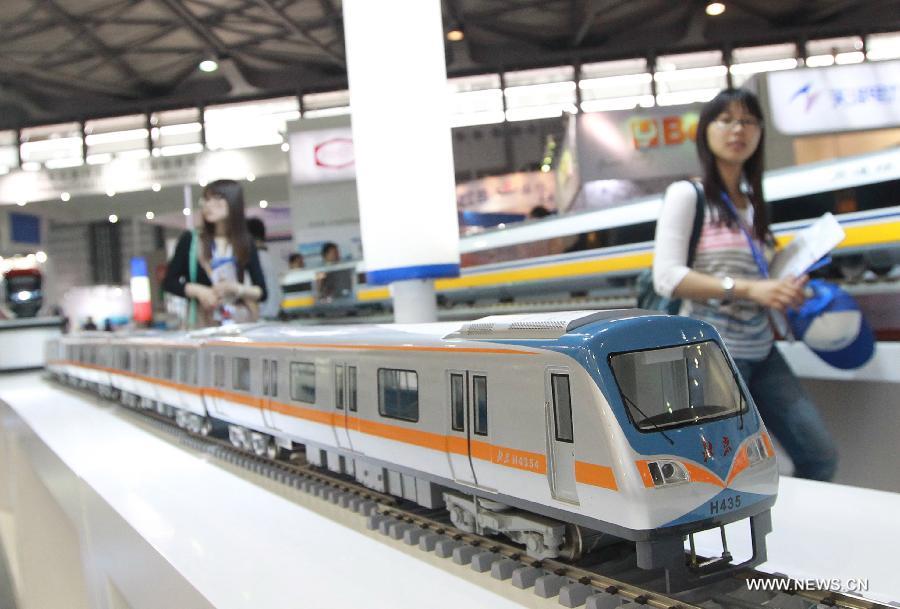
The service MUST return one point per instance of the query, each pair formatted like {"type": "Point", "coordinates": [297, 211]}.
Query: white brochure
{"type": "Point", "coordinates": [807, 247]}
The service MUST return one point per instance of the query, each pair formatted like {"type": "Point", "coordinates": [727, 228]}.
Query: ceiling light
{"type": "Point", "coordinates": [264, 204]}
{"type": "Point", "coordinates": [110, 193]}
{"type": "Point", "coordinates": [113, 218]}
{"type": "Point", "coordinates": [22, 203]}
{"type": "Point", "coordinates": [186, 211]}
{"type": "Point", "coordinates": [285, 147]}
{"type": "Point", "coordinates": [455, 34]}
{"type": "Point", "coordinates": [41, 257]}
{"type": "Point", "coordinates": [208, 65]}
{"type": "Point", "coordinates": [250, 177]}
{"type": "Point", "coordinates": [149, 215]}
{"type": "Point", "coordinates": [714, 9]}
{"type": "Point", "coordinates": [65, 196]}
{"type": "Point", "coordinates": [156, 187]}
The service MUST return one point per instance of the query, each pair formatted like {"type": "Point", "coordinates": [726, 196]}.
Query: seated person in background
{"type": "Point", "coordinates": [295, 261]}
{"type": "Point", "coordinates": [333, 284]}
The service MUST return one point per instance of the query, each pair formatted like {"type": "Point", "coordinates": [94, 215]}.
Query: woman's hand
{"type": "Point", "coordinates": [205, 295]}
{"type": "Point", "coordinates": [779, 294]}
{"type": "Point", "coordinates": [228, 289]}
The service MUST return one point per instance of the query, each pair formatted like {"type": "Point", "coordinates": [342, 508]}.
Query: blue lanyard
{"type": "Point", "coordinates": [758, 257]}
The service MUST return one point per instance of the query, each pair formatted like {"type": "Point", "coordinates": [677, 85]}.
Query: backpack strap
{"type": "Point", "coordinates": [192, 278]}
{"type": "Point", "coordinates": [698, 222]}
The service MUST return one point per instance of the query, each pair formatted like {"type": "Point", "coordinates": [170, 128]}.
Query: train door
{"type": "Point", "coordinates": [270, 390]}
{"type": "Point", "coordinates": [476, 428]}
{"type": "Point", "coordinates": [560, 435]}
{"type": "Point", "coordinates": [344, 401]}
{"type": "Point", "coordinates": [459, 447]}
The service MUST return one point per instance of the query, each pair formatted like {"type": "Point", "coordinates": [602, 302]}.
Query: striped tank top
{"type": "Point", "coordinates": [743, 324]}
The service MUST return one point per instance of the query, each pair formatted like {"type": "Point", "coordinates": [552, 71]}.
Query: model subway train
{"type": "Point", "coordinates": [556, 430]}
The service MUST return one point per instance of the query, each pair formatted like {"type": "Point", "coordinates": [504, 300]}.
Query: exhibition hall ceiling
{"type": "Point", "coordinates": [76, 59]}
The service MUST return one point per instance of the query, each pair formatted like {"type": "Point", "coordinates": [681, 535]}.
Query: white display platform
{"type": "Point", "coordinates": [22, 341]}
{"type": "Point", "coordinates": [157, 525]}
{"type": "Point", "coordinates": [160, 526]}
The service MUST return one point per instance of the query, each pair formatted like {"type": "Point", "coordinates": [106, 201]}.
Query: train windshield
{"type": "Point", "coordinates": [677, 386]}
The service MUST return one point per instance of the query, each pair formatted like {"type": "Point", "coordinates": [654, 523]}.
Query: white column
{"type": "Point", "coordinates": [404, 155]}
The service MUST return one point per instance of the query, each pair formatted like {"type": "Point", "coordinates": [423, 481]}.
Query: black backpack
{"type": "Point", "coordinates": [647, 298]}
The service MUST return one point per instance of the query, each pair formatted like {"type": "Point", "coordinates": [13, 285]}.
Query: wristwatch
{"type": "Point", "coordinates": [728, 287]}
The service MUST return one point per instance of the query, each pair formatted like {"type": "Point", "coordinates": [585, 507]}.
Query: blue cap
{"type": "Point", "coordinates": [831, 324]}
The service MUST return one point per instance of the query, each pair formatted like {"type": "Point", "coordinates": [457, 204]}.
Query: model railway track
{"type": "Point", "coordinates": [879, 300]}
{"type": "Point", "coordinates": [608, 583]}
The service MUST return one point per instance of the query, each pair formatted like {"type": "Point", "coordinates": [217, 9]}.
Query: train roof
{"type": "Point", "coordinates": [495, 327]}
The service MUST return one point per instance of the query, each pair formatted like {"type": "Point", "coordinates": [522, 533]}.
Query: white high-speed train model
{"type": "Point", "coordinates": [556, 430]}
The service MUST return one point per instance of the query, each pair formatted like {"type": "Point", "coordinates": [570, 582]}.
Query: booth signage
{"type": "Point", "coordinates": [837, 98]}
{"type": "Point", "coordinates": [637, 144]}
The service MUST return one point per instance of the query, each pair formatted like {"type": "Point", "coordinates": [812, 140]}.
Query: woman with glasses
{"type": "Point", "coordinates": [722, 277]}
{"type": "Point", "coordinates": [217, 266]}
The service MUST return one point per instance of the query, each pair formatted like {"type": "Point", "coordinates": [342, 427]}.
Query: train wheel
{"type": "Point", "coordinates": [573, 545]}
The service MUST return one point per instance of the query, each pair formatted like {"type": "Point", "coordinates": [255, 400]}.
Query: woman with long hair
{"type": "Point", "coordinates": [727, 281]}
{"type": "Point", "coordinates": [210, 265]}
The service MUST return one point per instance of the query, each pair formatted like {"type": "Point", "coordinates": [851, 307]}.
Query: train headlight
{"type": "Point", "coordinates": [667, 473]}
{"type": "Point", "coordinates": [756, 450]}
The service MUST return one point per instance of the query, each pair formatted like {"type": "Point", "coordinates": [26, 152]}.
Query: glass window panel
{"type": "Point", "coordinates": [457, 402]}
{"type": "Point", "coordinates": [219, 370]}
{"type": "Point", "coordinates": [883, 46]}
{"type": "Point", "coordinates": [562, 407]}
{"type": "Point", "coordinates": [9, 158]}
{"type": "Point", "coordinates": [351, 387]}
{"type": "Point", "coordinates": [240, 374]}
{"type": "Point", "coordinates": [273, 379]}
{"type": "Point", "coordinates": [689, 77]}
{"type": "Point", "coordinates": [303, 382]}
{"type": "Point", "coordinates": [398, 394]}
{"type": "Point", "coordinates": [168, 367]}
{"type": "Point", "coordinates": [175, 128]}
{"type": "Point", "coordinates": [540, 93]}
{"type": "Point", "coordinates": [748, 61]}
{"type": "Point", "coordinates": [480, 402]}
{"type": "Point", "coordinates": [117, 136]}
{"type": "Point", "coordinates": [254, 123]}
{"type": "Point", "coordinates": [51, 143]}
{"type": "Point", "coordinates": [339, 386]}
{"type": "Point", "coordinates": [330, 103]}
{"type": "Point", "coordinates": [677, 386]}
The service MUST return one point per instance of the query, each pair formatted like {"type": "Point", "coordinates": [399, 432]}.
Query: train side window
{"type": "Point", "coordinates": [168, 367]}
{"type": "Point", "coordinates": [240, 373]}
{"type": "Point", "coordinates": [351, 388]}
{"type": "Point", "coordinates": [125, 362]}
{"type": "Point", "coordinates": [192, 361]}
{"type": "Point", "coordinates": [339, 387]}
{"type": "Point", "coordinates": [219, 370]}
{"type": "Point", "coordinates": [562, 407]}
{"type": "Point", "coordinates": [303, 382]}
{"type": "Point", "coordinates": [182, 366]}
{"type": "Point", "coordinates": [457, 402]}
{"type": "Point", "coordinates": [265, 377]}
{"type": "Point", "coordinates": [479, 397]}
{"type": "Point", "coordinates": [273, 379]}
{"type": "Point", "coordinates": [144, 363]}
{"type": "Point", "coordinates": [398, 394]}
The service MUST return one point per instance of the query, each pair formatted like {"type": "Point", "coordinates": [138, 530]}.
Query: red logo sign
{"type": "Point", "coordinates": [707, 449]}
{"type": "Point", "coordinates": [336, 153]}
